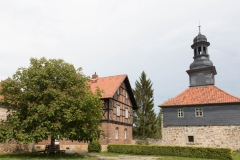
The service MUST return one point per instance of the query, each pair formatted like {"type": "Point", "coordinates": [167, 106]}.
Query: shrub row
{"type": "Point", "coordinates": [192, 152]}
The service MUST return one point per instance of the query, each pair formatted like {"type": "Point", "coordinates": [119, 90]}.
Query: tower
{"type": "Point", "coordinates": [202, 71]}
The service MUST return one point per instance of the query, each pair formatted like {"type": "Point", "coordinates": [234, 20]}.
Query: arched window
{"type": "Point", "coordinates": [195, 52]}
{"type": "Point", "coordinates": [116, 133]}
{"type": "Point", "coordinates": [204, 50]}
{"type": "Point", "coordinates": [125, 133]}
{"type": "Point", "coordinates": [199, 50]}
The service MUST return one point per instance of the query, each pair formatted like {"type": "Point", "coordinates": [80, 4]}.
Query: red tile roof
{"type": "Point", "coordinates": [108, 84]}
{"type": "Point", "coordinates": [201, 95]}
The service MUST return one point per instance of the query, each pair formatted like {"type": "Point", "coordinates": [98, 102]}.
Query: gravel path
{"type": "Point", "coordinates": [124, 157]}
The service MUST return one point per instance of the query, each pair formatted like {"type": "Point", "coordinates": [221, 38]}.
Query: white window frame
{"type": "Point", "coordinates": [126, 113]}
{"type": "Point", "coordinates": [125, 133]}
{"type": "Point", "coordinates": [118, 110]}
{"type": "Point", "coordinates": [198, 112]}
{"type": "Point", "coordinates": [116, 133]}
{"type": "Point", "coordinates": [180, 113]}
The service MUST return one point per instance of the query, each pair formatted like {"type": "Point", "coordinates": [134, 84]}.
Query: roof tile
{"type": "Point", "coordinates": [201, 95]}
{"type": "Point", "coordinates": [108, 84]}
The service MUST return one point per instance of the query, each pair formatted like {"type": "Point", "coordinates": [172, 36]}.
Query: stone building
{"type": "Point", "coordinates": [117, 120]}
{"type": "Point", "coordinates": [203, 114]}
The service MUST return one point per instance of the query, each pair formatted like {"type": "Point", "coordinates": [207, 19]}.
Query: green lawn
{"type": "Point", "coordinates": [35, 156]}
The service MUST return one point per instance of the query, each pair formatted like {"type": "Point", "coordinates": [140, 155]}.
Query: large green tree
{"type": "Point", "coordinates": [50, 98]}
{"type": "Point", "coordinates": [144, 118]}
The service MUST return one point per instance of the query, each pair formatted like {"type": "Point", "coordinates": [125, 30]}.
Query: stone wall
{"type": "Point", "coordinates": [205, 136]}
{"type": "Point", "coordinates": [3, 113]}
{"type": "Point", "coordinates": [13, 146]}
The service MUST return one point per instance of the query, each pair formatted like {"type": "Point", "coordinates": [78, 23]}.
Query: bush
{"type": "Point", "coordinates": [94, 146]}
{"type": "Point", "coordinates": [192, 152]}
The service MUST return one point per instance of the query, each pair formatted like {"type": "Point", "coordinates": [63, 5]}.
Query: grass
{"type": "Point", "coordinates": [35, 156]}
{"type": "Point", "coordinates": [236, 156]}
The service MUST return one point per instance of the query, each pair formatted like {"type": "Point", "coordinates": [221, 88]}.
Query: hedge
{"type": "Point", "coordinates": [192, 152]}
{"type": "Point", "coordinates": [94, 146]}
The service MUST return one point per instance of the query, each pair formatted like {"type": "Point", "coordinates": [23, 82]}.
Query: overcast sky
{"type": "Point", "coordinates": [124, 37]}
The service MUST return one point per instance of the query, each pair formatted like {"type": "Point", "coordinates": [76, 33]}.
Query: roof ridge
{"type": "Point", "coordinates": [113, 76]}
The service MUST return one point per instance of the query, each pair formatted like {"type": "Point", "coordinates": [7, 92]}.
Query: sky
{"type": "Point", "coordinates": [114, 37]}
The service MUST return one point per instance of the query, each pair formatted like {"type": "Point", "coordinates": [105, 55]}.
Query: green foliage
{"type": "Point", "coordinates": [94, 146]}
{"type": "Point", "coordinates": [192, 152]}
{"type": "Point", "coordinates": [159, 125]}
{"type": "Point", "coordinates": [144, 119]}
{"type": "Point", "coordinates": [50, 98]}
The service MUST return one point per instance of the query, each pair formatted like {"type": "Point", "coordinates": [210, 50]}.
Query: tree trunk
{"type": "Point", "coordinates": [52, 141]}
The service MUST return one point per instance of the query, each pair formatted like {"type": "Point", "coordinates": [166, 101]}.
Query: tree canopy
{"type": "Point", "coordinates": [50, 98]}
{"type": "Point", "coordinates": [144, 120]}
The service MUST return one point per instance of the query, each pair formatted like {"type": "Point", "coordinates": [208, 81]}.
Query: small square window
{"type": "Point", "coordinates": [126, 113]}
{"type": "Point", "coordinates": [180, 113]}
{"type": "Point", "coordinates": [118, 110]}
{"type": "Point", "coordinates": [198, 112]}
{"type": "Point", "coordinates": [190, 138]}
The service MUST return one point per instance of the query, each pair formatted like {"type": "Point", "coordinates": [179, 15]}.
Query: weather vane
{"type": "Point", "coordinates": [199, 26]}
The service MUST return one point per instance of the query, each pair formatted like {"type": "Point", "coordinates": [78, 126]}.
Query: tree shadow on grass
{"type": "Point", "coordinates": [35, 156]}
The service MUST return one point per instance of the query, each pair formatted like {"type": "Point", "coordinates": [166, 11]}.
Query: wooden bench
{"type": "Point", "coordinates": [45, 150]}
{"type": "Point", "coordinates": [52, 149]}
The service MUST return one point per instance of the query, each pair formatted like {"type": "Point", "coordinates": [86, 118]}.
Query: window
{"type": "Point", "coordinates": [198, 112]}
{"type": "Point", "coordinates": [126, 95]}
{"type": "Point", "coordinates": [118, 110]}
{"type": "Point", "coordinates": [190, 139]}
{"type": "Point", "coordinates": [180, 113]}
{"type": "Point", "coordinates": [126, 113]}
{"type": "Point", "coordinates": [125, 133]}
{"type": "Point", "coordinates": [116, 133]}
{"type": "Point", "coordinates": [118, 91]}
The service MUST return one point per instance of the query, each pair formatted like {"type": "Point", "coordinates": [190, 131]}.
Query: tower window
{"type": "Point", "coordinates": [195, 52]}
{"type": "Point", "coordinates": [199, 50]}
{"type": "Point", "coordinates": [204, 49]}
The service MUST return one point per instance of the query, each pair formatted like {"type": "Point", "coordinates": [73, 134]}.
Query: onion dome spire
{"type": "Point", "coordinates": [201, 70]}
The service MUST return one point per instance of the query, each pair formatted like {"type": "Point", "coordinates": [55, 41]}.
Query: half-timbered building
{"type": "Point", "coordinates": [119, 104]}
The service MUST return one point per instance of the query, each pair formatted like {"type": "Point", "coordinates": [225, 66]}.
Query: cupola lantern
{"type": "Point", "coordinates": [201, 71]}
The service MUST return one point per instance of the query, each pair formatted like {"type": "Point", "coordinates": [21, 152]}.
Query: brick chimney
{"type": "Point", "coordinates": [94, 78]}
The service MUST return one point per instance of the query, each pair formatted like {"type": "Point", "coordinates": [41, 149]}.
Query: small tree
{"type": "Point", "coordinates": [144, 118]}
{"type": "Point", "coordinates": [50, 99]}
{"type": "Point", "coordinates": [159, 125]}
